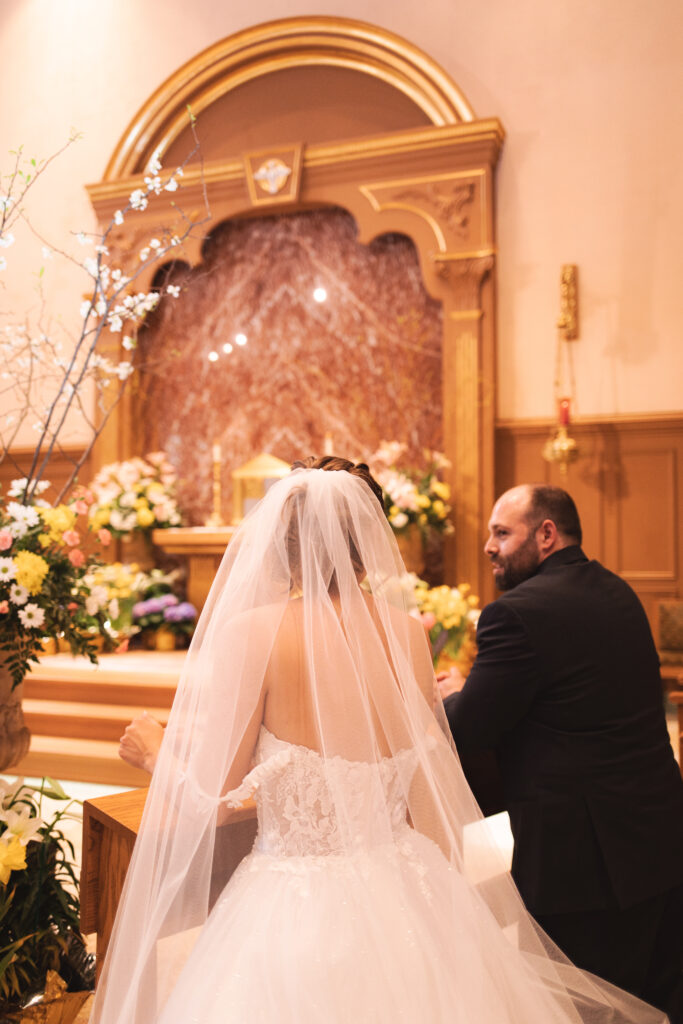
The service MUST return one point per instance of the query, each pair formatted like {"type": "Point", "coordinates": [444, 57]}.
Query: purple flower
{"type": "Point", "coordinates": [166, 600]}
{"type": "Point", "coordinates": [184, 612]}
{"type": "Point", "coordinates": [153, 605]}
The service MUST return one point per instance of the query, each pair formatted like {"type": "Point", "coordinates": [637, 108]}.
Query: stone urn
{"type": "Point", "coordinates": [14, 734]}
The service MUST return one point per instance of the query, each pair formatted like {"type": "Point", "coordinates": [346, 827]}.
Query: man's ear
{"type": "Point", "coordinates": [547, 537]}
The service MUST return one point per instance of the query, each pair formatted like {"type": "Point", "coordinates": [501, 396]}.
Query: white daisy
{"type": "Point", "coordinates": [8, 570]}
{"type": "Point", "coordinates": [32, 616]}
{"type": "Point", "coordinates": [18, 594]}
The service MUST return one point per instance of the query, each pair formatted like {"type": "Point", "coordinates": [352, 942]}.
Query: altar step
{"type": "Point", "coordinates": [77, 711]}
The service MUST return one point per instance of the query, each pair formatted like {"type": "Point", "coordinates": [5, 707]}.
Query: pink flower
{"type": "Point", "coordinates": [80, 507]}
{"type": "Point", "coordinates": [104, 537]}
{"type": "Point", "coordinates": [428, 620]}
{"type": "Point", "coordinates": [5, 540]}
{"type": "Point", "coordinates": [4, 607]}
{"type": "Point", "coordinates": [83, 494]}
{"type": "Point", "coordinates": [72, 538]}
{"type": "Point", "coordinates": [77, 558]}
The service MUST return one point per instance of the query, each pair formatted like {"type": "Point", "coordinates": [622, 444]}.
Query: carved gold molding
{"type": "Point", "coordinates": [275, 46]}
{"type": "Point", "coordinates": [274, 175]}
{"type": "Point", "coordinates": [445, 202]}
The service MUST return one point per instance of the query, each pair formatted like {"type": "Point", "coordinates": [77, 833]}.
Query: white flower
{"type": "Point", "coordinates": [173, 289]}
{"type": "Point", "coordinates": [153, 184]}
{"type": "Point", "coordinates": [127, 499]}
{"type": "Point", "coordinates": [32, 616]}
{"type": "Point", "coordinates": [8, 570]}
{"type": "Point", "coordinates": [118, 217]}
{"type": "Point", "coordinates": [121, 522]}
{"type": "Point", "coordinates": [102, 250]}
{"type": "Point", "coordinates": [144, 253]}
{"type": "Point", "coordinates": [22, 824]}
{"type": "Point", "coordinates": [90, 264]}
{"type": "Point", "coordinates": [171, 185]}
{"type": "Point", "coordinates": [138, 199]}
{"type": "Point", "coordinates": [9, 791]}
{"type": "Point", "coordinates": [96, 599]}
{"type": "Point", "coordinates": [5, 203]}
{"type": "Point", "coordinates": [85, 308]}
{"type": "Point", "coordinates": [129, 343]}
{"type": "Point", "coordinates": [47, 253]}
{"type": "Point", "coordinates": [154, 243]}
{"type": "Point", "coordinates": [23, 514]}
{"type": "Point", "coordinates": [154, 165]}
{"type": "Point", "coordinates": [123, 370]}
{"type": "Point", "coordinates": [82, 238]}
{"type": "Point", "coordinates": [399, 520]}
{"type": "Point", "coordinates": [6, 240]}
{"type": "Point", "coordinates": [115, 323]}
{"type": "Point", "coordinates": [113, 608]}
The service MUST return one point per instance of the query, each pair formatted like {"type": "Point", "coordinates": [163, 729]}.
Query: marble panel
{"type": "Point", "coordinates": [361, 366]}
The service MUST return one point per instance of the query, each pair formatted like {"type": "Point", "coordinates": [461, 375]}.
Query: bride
{"type": "Point", "coordinates": [309, 686]}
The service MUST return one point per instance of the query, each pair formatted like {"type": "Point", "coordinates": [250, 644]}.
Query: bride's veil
{"type": "Point", "coordinates": [311, 611]}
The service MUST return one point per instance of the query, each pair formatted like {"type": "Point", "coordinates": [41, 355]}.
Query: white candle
{"type": "Point", "coordinates": [216, 452]}
{"type": "Point", "coordinates": [327, 444]}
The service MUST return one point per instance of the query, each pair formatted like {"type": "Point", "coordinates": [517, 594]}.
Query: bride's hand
{"type": "Point", "coordinates": [140, 743]}
{"type": "Point", "coordinates": [450, 682]}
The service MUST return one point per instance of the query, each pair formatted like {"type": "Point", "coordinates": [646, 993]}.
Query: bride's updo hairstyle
{"type": "Point", "coordinates": [335, 462]}
{"type": "Point", "coordinates": [292, 509]}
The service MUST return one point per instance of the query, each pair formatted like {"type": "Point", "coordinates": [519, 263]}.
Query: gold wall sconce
{"type": "Point", "coordinates": [560, 446]}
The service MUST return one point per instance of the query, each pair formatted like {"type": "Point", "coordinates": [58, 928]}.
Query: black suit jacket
{"type": "Point", "coordinates": [566, 689]}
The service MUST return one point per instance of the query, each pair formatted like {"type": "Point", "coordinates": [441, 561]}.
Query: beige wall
{"type": "Point", "coordinates": [589, 95]}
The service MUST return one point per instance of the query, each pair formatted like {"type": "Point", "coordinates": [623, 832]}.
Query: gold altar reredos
{"type": "Point", "coordinates": [362, 120]}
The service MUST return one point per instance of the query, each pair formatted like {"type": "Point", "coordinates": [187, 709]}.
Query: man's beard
{"type": "Point", "coordinates": [517, 567]}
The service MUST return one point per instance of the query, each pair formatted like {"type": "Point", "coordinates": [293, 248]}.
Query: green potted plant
{"type": "Point", "coordinates": [42, 955]}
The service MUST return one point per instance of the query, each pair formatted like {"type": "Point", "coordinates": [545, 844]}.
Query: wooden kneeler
{"type": "Point", "coordinates": [110, 828]}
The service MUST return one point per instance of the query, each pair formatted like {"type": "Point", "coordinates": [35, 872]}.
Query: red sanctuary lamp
{"type": "Point", "coordinates": [560, 447]}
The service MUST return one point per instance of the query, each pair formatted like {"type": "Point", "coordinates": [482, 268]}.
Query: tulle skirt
{"type": "Point", "coordinates": [391, 935]}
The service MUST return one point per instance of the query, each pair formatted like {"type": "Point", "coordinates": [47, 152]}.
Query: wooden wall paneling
{"type": "Point", "coordinates": [626, 483]}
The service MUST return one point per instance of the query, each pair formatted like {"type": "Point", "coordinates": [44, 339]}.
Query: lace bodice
{"type": "Point", "coordinates": [299, 796]}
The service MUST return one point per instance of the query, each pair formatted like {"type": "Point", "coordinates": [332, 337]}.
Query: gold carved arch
{"type": "Point", "coordinates": [434, 183]}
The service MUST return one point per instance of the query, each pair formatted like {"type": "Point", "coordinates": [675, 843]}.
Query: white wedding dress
{"type": "Point", "coordinates": [306, 933]}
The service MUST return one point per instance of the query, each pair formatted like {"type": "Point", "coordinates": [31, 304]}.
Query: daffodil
{"type": "Point", "coordinates": [12, 857]}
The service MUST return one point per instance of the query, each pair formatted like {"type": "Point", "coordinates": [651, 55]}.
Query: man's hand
{"type": "Point", "coordinates": [450, 682]}
{"type": "Point", "coordinates": [141, 741]}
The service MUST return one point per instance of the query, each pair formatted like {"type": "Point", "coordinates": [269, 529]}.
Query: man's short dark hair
{"type": "Point", "coordinates": [546, 502]}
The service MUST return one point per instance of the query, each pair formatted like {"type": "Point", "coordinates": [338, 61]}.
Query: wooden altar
{"type": "Point", "coordinates": [203, 547]}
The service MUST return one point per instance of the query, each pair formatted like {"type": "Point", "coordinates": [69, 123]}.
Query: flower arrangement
{"type": "Point", "coordinates": [412, 496]}
{"type": "Point", "coordinates": [111, 591]}
{"type": "Point", "coordinates": [165, 610]}
{"type": "Point", "coordinates": [42, 565]}
{"type": "Point", "coordinates": [39, 905]}
{"type": "Point", "coordinates": [449, 614]}
{"type": "Point", "coordinates": [136, 495]}
{"type": "Point", "coordinates": [159, 607]}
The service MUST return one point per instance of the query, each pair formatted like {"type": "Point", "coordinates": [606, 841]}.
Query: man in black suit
{"type": "Point", "coordinates": [566, 690]}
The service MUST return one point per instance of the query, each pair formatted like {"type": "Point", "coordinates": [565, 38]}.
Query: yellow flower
{"type": "Point", "coordinates": [156, 489]}
{"type": "Point", "coordinates": [57, 520]}
{"type": "Point", "coordinates": [439, 509]}
{"type": "Point", "coordinates": [145, 517]}
{"type": "Point", "coordinates": [422, 519]}
{"type": "Point", "coordinates": [12, 858]}
{"type": "Point", "coordinates": [423, 500]}
{"type": "Point", "coordinates": [100, 518]}
{"type": "Point", "coordinates": [31, 571]}
{"type": "Point", "coordinates": [141, 503]}
{"type": "Point", "coordinates": [441, 490]}
{"type": "Point", "coordinates": [44, 540]}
